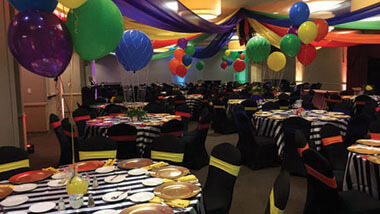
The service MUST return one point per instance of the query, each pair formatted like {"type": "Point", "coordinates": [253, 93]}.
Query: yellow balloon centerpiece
{"type": "Point", "coordinates": [276, 61]}
{"type": "Point", "coordinates": [77, 185]}
{"type": "Point", "coordinates": [72, 3]}
{"type": "Point", "coordinates": [227, 52]}
{"type": "Point", "coordinates": [307, 32]}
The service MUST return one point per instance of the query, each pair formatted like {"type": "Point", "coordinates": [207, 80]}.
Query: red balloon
{"type": "Point", "coordinates": [173, 64]}
{"type": "Point", "coordinates": [224, 65]}
{"type": "Point", "coordinates": [239, 65]}
{"type": "Point", "coordinates": [178, 54]}
{"type": "Point", "coordinates": [323, 29]}
{"type": "Point", "coordinates": [307, 54]}
{"type": "Point", "coordinates": [242, 56]}
{"type": "Point", "coordinates": [181, 71]}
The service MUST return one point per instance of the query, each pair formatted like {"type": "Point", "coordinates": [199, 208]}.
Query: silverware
{"type": "Point", "coordinates": [115, 197]}
{"type": "Point", "coordinates": [113, 177]}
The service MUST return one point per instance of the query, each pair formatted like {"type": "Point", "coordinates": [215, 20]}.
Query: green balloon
{"type": "Point", "coordinates": [290, 45]}
{"type": "Point", "coordinates": [190, 49]}
{"type": "Point", "coordinates": [96, 28]}
{"type": "Point", "coordinates": [200, 65]}
{"type": "Point", "coordinates": [258, 49]}
{"type": "Point", "coordinates": [224, 58]}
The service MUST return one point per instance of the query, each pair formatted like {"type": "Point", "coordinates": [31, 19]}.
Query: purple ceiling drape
{"type": "Point", "coordinates": [157, 13]}
{"type": "Point", "coordinates": [215, 46]}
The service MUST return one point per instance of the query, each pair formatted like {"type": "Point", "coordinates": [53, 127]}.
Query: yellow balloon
{"type": "Point", "coordinates": [276, 61]}
{"type": "Point", "coordinates": [227, 52]}
{"type": "Point", "coordinates": [187, 67]}
{"type": "Point", "coordinates": [72, 3]}
{"type": "Point", "coordinates": [307, 32]}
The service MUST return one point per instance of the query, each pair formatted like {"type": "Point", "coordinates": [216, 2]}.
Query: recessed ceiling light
{"type": "Point", "coordinates": [172, 5]}
{"type": "Point", "coordinates": [275, 12]}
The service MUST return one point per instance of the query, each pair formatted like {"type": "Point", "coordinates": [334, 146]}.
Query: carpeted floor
{"type": "Point", "coordinates": [251, 189]}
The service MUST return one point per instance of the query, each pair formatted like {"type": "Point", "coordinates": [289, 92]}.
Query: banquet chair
{"type": "Point", "coordinates": [125, 136]}
{"type": "Point", "coordinates": [179, 100]}
{"type": "Point", "coordinates": [154, 108]}
{"type": "Point", "coordinates": [295, 95]}
{"type": "Point", "coordinates": [284, 104]}
{"type": "Point", "coordinates": [97, 148]}
{"type": "Point", "coordinates": [332, 100]}
{"type": "Point", "coordinates": [114, 109]}
{"type": "Point", "coordinates": [220, 122]}
{"type": "Point", "coordinates": [168, 148]}
{"type": "Point", "coordinates": [270, 106]}
{"type": "Point", "coordinates": [322, 194]}
{"type": "Point", "coordinates": [13, 161]}
{"type": "Point", "coordinates": [335, 151]}
{"type": "Point", "coordinates": [279, 194]}
{"type": "Point", "coordinates": [357, 129]}
{"type": "Point", "coordinates": [71, 135]}
{"type": "Point", "coordinates": [80, 116]}
{"type": "Point", "coordinates": [66, 155]}
{"type": "Point", "coordinates": [283, 96]}
{"type": "Point", "coordinates": [308, 105]}
{"type": "Point", "coordinates": [250, 107]}
{"type": "Point", "coordinates": [268, 95]}
{"type": "Point", "coordinates": [374, 130]}
{"type": "Point", "coordinates": [256, 151]}
{"type": "Point", "coordinates": [291, 159]}
{"type": "Point", "coordinates": [222, 173]}
{"type": "Point", "coordinates": [172, 127]}
{"type": "Point", "coordinates": [185, 112]}
{"type": "Point", "coordinates": [346, 93]}
{"type": "Point", "coordinates": [344, 107]}
{"type": "Point", "coordinates": [360, 102]}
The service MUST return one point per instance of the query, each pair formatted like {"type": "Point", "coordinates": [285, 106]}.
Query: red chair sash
{"type": "Point", "coordinates": [360, 102]}
{"type": "Point", "coordinates": [68, 134]}
{"type": "Point", "coordinates": [300, 150]}
{"type": "Point", "coordinates": [123, 138]}
{"type": "Point", "coordinates": [56, 124]}
{"type": "Point", "coordinates": [115, 114]}
{"type": "Point", "coordinates": [160, 97]}
{"type": "Point", "coordinates": [374, 136]}
{"type": "Point", "coordinates": [331, 140]}
{"type": "Point", "coordinates": [334, 101]}
{"type": "Point", "coordinates": [205, 101]}
{"type": "Point", "coordinates": [202, 126]}
{"type": "Point", "coordinates": [331, 182]}
{"type": "Point", "coordinates": [183, 114]}
{"type": "Point", "coordinates": [177, 133]}
{"type": "Point", "coordinates": [80, 118]}
{"type": "Point", "coordinates": [180, 101]}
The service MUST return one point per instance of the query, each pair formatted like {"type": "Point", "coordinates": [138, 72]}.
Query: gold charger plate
{"type": "Point", "coordinates": [277, 110]}
{"type": "Point", "coordinates": [277, 118]}
{"type": "Point", "coordinates": [148, 208]}
{"type": "Point", "coordinates": [318, 111]}
{"type": "Point", "coordinates": [327, 118]}
{"type": "Point", "coordinates": [134, 163]}
{"type": "Point", "coordinates": [5, 191]}
{"type": "Point", "coordinates": [342, 116]}
{"type": "Point", "coordinates": [335, 113]}
{"type": "Point", "coordinates": [369, 142]}
{"type": "Point", "coordinates": [176, 190]}
{"type": "Point", "coordinates": [374, 159]}
{"type": "Point", "coordinates": [153, 123]}
{"type": "Point", "coordinates": [170, 172]}
{"type": "Point", "coordinates": [364, 150]}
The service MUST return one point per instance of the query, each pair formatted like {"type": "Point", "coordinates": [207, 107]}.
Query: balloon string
{"type": "Point", "coordinates": [71, 117]}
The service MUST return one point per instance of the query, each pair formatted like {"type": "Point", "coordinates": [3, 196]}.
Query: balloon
{"type": "Point", "coordinates": [276, 61]}
{"type": "Point", "coordinates": [178, 53]}
{"type": "Point", "coordinates": [190, 49]}
{"type": "Point", "coordinates": [229, 62]}
{"type": "Point", "coordinates": [224, 58]}
{"type": "Point", "coordinates": [323, 29]}
{"type": "Point", "coordinates": [242, 56]}
{"type": "Point", "coordinates": [187, 67]}
{"type": "Point", "coordinates": [181, 71]}
{"type": "Point", "coordinates": [293, 30]}
{"type": "Point", "coordinates": [227, 52]}
{"type": "Point", "coordinates": [173, 64]}
{"type": "Point", "coordinates": [96, 28]}
{"type": "Point", "coordinates": [182, 43]}
{"type": "Point", "coordinates": [307, 54]}
{"type": "Point", "coordinates": [200, 65]}
{"type": "Point", "coordinates": [46, 5]}
{"type": "Point", "coordinates": [290, 45]}
{"type": "Point", "coordinates": [258, 49]}
{"type": "Point", "coordinates": [40, 42]}
{"type": "Point", "coordinates": [135, 50]}
{"type": "Point", "coordinates": [368, 88]}
{"type": "Point", "coordinates": [307, 32]}
{"type": "Point", "coordinates": [299, 13]}
{"type": "Point", "coordinates": [239, 65]}
{"type": "Point", "coordinates": [72, 3]}
{"type": "Point", "coordinates": [224, 65]}
{"type": "Point", "coordinates": [187, 59]}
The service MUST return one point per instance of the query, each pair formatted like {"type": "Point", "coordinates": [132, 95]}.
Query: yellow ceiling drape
{"type": "Point", "coordinates": [273, 38]}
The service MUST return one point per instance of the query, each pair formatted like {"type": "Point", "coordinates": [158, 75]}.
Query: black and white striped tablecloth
{"type": "Point", "coordinates": [273, 128]}
{"type": "Point", "coordinates": [194, 104]}
{"type": "Point", "coordinates": [44, 193]}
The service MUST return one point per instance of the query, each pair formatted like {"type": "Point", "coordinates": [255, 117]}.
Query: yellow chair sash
{"type": "Point", "coordinates": [284, 107]}
{"type": "Point", "coordinates": [14, 165]}
{"type": "Point", "coordinates": [273, 208]}
{"type": "Point", "coordinates": [169, 156]}
{"type": "Point", "coordinates": [219, 106]}
{"type": "Point", "coordinates": [227, 167]}
{"type": "Point", "coordinates": [250, 108]}
{"type": "Point", "coordinates": [85, 155]}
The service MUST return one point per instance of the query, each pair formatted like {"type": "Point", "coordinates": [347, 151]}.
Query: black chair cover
{"type": "Point", "coordinates": [105, 148]}
{"type": "Point", "coordinates": [154, 108]}
{"type": "Point", "coordinates": [185, 112]}
{"type": "Point", "coordinates": [65, 146]}
{"type": "Point", "coordinates": [70, 134]}
{"type": "Point", "coordinates": [270, 106]}
{"type": "Point", "coordinates": [125, 136]}
{"type": "Point", "coordinates": [12, 155]}
{"type": "Point", "coordinates": [280, 193]}
{"type": "Point", "coordinates": [168, 148]}
{"type": "Point", "coordinates": [80, 116]}
{"type": "Point", "coordinates": [172, 127]}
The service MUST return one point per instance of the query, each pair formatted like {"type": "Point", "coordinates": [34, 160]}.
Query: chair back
{"type": "Point", "coordinates": [250, 107]}
{"type": "Point", "coordinates": [357, 129]}
{"type": "Point", "coordinates": [224, 168]}
{"type": "Point", "coordinates": [179, 100]}
{"type": "Point", "coordinates": [185, 112]}
{"type": "Point", "coordinates": [332, 146]}
{"type": "Point", "coordinates": [360, 102]}
{"type": "Point", "coordinates": [13, 161]}
{"type": "Point", "coordinates": [125, 136]}
{"type": "Point", "coordinates": [66, 155]}
{"type": "Point", "coordinates": [172, 127]}
{"type": "Point", "coordinates": [270, 106]}
{"type": "Point", "coordinates": [284, 104]}
{"type": "Point", "coordinates": [344, 107]}
{"type": "Point", "coordinates": [80, 116]}
{"type": "Point", "coordinates": [283, 96]}
{"type": "Point", "coordinates": [168, 148]}
{"type": "Point", "coordinates": [279, 194]}
{"type": "Point", "coordinates": [114, 109]}
{"type": "Point", "coordinates": [153, 108]}
{"type": "Point", "coordinates": [97, 148]}
{"type": "Point", "coordinates": [332, 100]}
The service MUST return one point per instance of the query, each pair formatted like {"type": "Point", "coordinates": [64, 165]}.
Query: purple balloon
{"type": "Point", "coordinates": [182, 43]}
{"type": "Point", "coordinates": [293, 30]}
{"type": "Point", "coordinates": [40, 42]}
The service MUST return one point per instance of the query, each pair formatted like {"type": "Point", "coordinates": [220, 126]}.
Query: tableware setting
{"type": "Point", "coordinates": [57, 183]}
{"type": "Point", "coordinates": [30, 177]}
{"type": "Point", "coordinates": [5, 191]}
{"type": "Point", "coordinates": [42, 207]}
{"type": "Point", "coordinates": [24, 187]}
{"type": "Point", "coordinates": [14, 200]}
{"type": "Point", "coordinates": [153, 181]}
{"type": "Point", "coordinates": [138, 171]}
{"type": "Point", "coordinates": [363, 149]}
{"type": "Point", "coordinates": [369, 142]}
{"type": "Point", "coordinates": [115, 196]}
{"type": "Point", "coordinates": [141, 197]}
{"type": "Point", "coordinates": [177, 190]}
{"type": "Point", "coordinates": [169, 172]}
{"type": "Point", "coordinates": [114, 179]}
{"type": "Point", "coordinates": [148, 208]}
{"type": "Point", "coordinates": [134, 163]}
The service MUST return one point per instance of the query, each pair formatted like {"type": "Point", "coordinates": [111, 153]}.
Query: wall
{"type": "Point", "coordinates": [261, 72]}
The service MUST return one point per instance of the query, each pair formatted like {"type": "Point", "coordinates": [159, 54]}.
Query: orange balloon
{"type": "Point", "coordinates": [178, 54]}
{"type": "Point", "coordinates": [173, 64]}
{"type": "Point", "coordinates": [323, 29]}
{"type": "Point", "coordinates": [242, 56]}
{"type": "Point", "coordinates": [181, 71]}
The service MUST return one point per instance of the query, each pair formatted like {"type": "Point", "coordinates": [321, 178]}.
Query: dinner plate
{"type": "Point", "coordinates": [170, 172]}
{"type": "Point", "coordinates": [318, 111]}
{"type": "Point", "coordinates": [24, 187]}
{"type": "Point", "coordinates": [374, 159]}
{"type": "Point", "coordinates": [118, 196]}
{"type": "Point", "coordinates": [153, 181]}
{"type": "Point", "coordinates": [138, 171]}
{"type": "Point", "coordinates": [277, 118]}
{"type": "Point", "coordinates": [177, 190]}
{"type": "Point", "coordinates": [57, 183]}
{"type": "Point", "coordinates": [114, 179]}
{"type": "Point", "coordinates": [60, 175]}
{"type": "Point", "coordinates": [30, 177]}
{"type": "Point", "coordinates": [134, 163]}
{"type": "Point", "coordinates": [369, 142]}
{"type": "Point", "coordinates": [17, 212]}
{"type": "Point", "coordinates": [364, 149]}
{"type": "Point", "coordinates": [141, 197]}
{"type": "Point", "coordinates": [335, 113]}
{"type": "Point", "coordinates": [109, 211]}
{"type": "Point", "coordinates": [42, 207]}
{"type": "Point", "coordinates": [14, 200]}
{"type": "Point", "coordinates": [148, 208]}
{"type": "Point", "coordinates": [85, 166]}
{"type": "Point", "coordinates": [327, 118]}
{"type": "Point", "coordinates": [5, 191]}
{"type": "Point", "coordinates": [105, 169]}
{"type": "Point", "coordinates": [342, 116]}
{"type": "Point", "coordinates": [277, 110]}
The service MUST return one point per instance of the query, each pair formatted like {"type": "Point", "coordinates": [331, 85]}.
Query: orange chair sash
{"type": "Point", "coordinates": [331, 182]}
{"type": "Point", "coordinates": [300, 150]}
{"type": "Point", "coordinates": [331, 140]}
{"type": "Point", "coordinates": [80, 118]}
{"type": "Point", "coordinates": [375, 136]}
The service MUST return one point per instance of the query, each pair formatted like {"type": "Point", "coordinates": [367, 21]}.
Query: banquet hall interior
{"type": "Point", "coordinates": [190, 106]}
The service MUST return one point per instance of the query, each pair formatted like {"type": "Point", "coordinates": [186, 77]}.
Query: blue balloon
{"type": "Point", "coordinates": [46, 5]}
{"type": "Point", "coordinates": [135, 50]}
{"type": "Point", "coordinates": [229, 62]}
{"type": "Point", "coordinates": [187, 59]}
{"type": "Point", "coordinates": [299, 13]}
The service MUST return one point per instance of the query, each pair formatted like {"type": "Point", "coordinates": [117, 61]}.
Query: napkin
{"type": "Point", "coordinates": [113, 162]}
{"type": "Point", "coordinates": [188, 178]}
{"type": "Point", "coordinates": [178, 203]}
{"type": "Point", "coordinates": [7, 185]}
{"type": "Point", "coordinates": [156, 200]}
{"type": "Point", "coordinates": [166, 180]}
{"type": "Point", "coordinates": [51, 169]}
{"type": "Point", "coordinates": [156, 165]}
{"type": "Point", "coordinates": [108, 162]}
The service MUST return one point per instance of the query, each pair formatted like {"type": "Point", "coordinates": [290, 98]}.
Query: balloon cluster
{"type": "Point", "coordinates": [230, 58]}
